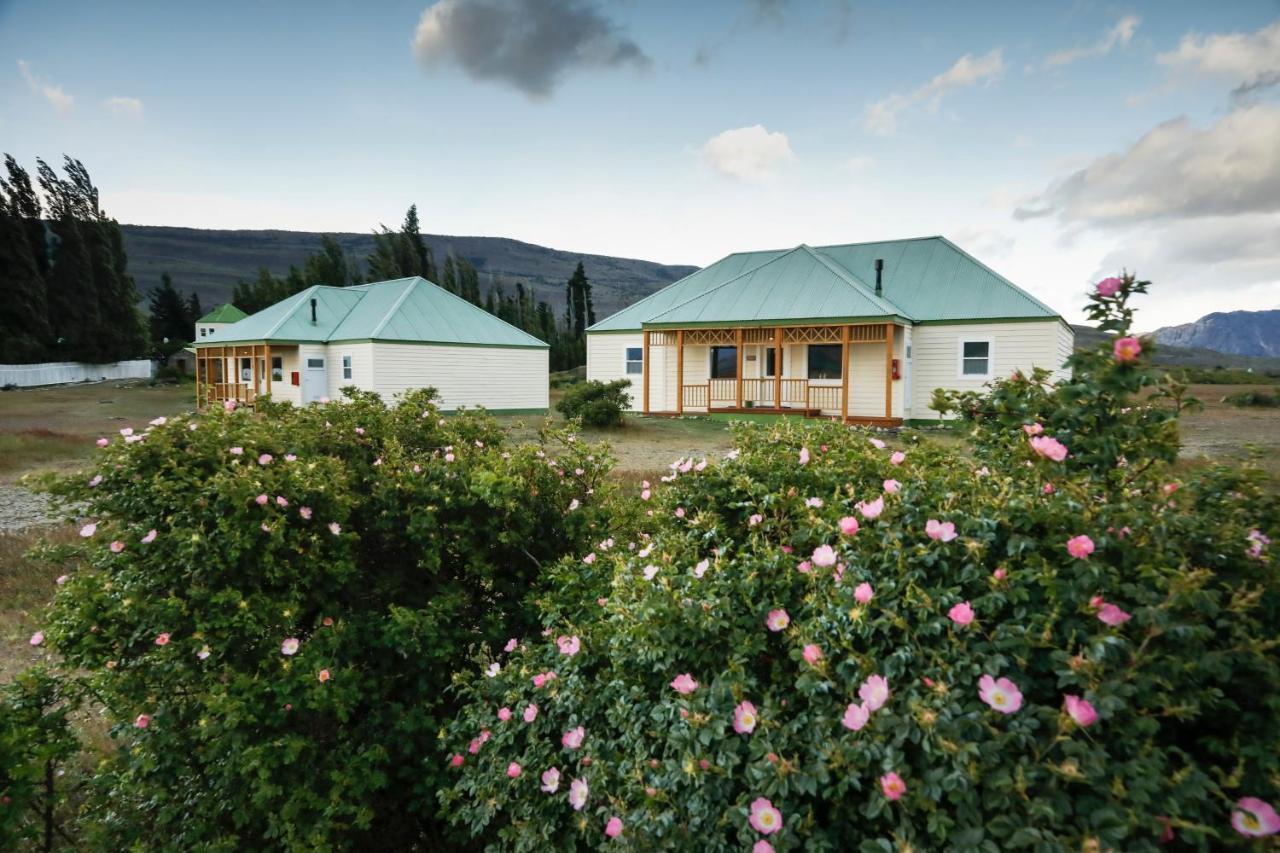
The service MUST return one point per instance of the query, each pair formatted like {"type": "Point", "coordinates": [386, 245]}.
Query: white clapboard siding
{"type": "Point", "coordinates": [1017, 346]}
{"type": "Point", "coordinates": [607, 362]}
{"type": "Point", "coordinates": [493, 377]}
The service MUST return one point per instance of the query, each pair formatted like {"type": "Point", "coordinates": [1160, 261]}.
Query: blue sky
{"type": "Point", "coordinates": [1056, 144]}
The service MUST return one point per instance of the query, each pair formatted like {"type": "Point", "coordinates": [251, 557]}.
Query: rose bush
{"type": "Point", "coordinates": [825, 643]}
{"type": "Point", "coordinates": [269, 609]}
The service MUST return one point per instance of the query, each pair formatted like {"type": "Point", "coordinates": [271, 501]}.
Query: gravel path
{"type": "Point", "coordinates": [22, 508]}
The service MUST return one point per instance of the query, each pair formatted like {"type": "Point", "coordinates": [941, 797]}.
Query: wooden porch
{"type": "Point", "coordinates": [220, 374]}
{"type": "Point", "coordinates": [777, 394]}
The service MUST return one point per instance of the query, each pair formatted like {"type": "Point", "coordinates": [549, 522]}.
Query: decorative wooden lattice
{"type": "Point", "coordinates": [708, 337]}
{"type": "Point", "coordinates": [767, 335]}
{"type": "Point", "coordinates": [811, 335]}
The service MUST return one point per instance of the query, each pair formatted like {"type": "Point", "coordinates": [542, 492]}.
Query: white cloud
{"type": "Point", "coordinates": [882, 116]}
{"type": "Point", "coordinates": [1119, 35]}
{"type": "Point", "coordinates": [1250, 60]}
{"type": "Point", "coordinates": [982, 242]}
{"type": "Point", "coordinates": [55, 95]}
{"type": "Point", "coordinates": [1175, 171]}
{"type": "Point", "coordinates": [750, 153]}
{"type": "Point", "coordinates": [858, 164]}
{"type": "Point", "coordinates": [131, 107]}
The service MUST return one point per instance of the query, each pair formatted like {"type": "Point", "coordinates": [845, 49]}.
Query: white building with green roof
{"type": "Point", "coordinates": [388, 337]}
{"type": "Point", "coordinates": [861, 331]}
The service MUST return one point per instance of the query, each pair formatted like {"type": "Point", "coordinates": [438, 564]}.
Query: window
{"type": "Point", "coordinates": [246, 370]}
{"type": "Point", "coordinates": [316, 362]}
{"type": "Point", "coordinates": [824, 361]}
{"type": "Point", "coordinates": [635, 360]}
{"type": "Point", "coordinates": [975, 359]}
{"type": "Point", "coordinates": [724, 362]}
{"type": "Point", "coordinates": [346, 367]}
{"type": "Point", "coordinates": [277, 368]}
{"type": "Point", "coordinates": [202, 331]}
{"type": "Point", "coordinates": [770, 357]}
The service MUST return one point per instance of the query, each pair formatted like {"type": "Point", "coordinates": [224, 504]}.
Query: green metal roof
{"type": "Point", "coordinates": [224, 313]}
{"type": "Point", "coordinates": [796, 285]}
{"type": "Point", "coordinates": [405, 310]}
{"type": "Point", "coordinates": [925, 279]}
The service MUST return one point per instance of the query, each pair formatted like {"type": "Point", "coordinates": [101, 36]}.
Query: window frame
{"type": "Point", "coordinates": [348, 367]}
{"type": "Point", "coordinates": [770, 354]}
{"type": "Point", "coordinates": [808, 367]}
{"type": "Point", "coordinates": [628, 363]}
{"type": "Point", "coordinates": [711, 361]}
{"type": "Point", "coordinates": [961, 358]}
{"type": "Point", "coordinates": [277, 373]}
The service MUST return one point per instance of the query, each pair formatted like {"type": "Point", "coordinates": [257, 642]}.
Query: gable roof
{"type": "Point", "coordinates": [404, 310]}
{"type": "Point", "coordinates": [224, 313]}
{"type": "Point", "coordinates": [925, 280]}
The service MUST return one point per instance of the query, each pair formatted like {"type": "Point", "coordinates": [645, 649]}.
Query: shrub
{"type": "Point", "coordinates": [1070, 659]}
{"type": "Point", "coordinates": [1259, 399]}
{"type": "Point", "coordinates": [598, 404]}
{"type": "Point", "coordinates": [272, 605]}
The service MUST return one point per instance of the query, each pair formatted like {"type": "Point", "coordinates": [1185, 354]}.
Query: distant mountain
{"type": "Point", "coordinates": [1170, 355]}
{"type": "Point", "coordinates": [210, 262]}
{"type": "Point", "coordinates": [1255, 333]}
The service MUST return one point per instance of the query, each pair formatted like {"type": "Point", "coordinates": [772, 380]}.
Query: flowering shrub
{"type": "Point", "coordinates": [828, 644]}
{"type": "Point", "coordinates": [269, 609]}
{"type": "Point", "coordinates": [598, 404]}
{"type": "Point", "coordinates": [35, 741]}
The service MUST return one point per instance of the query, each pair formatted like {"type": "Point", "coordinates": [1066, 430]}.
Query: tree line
{"type": "Point", "coordinates": [404, 253]}
{"type": "Point", "coordinates": [67, 293]}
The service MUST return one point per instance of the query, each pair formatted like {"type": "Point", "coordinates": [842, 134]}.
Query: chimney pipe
{"type": "Point", "coordinates": [313, 307]}
{"type": "Point", "coordinates": [879, 271]}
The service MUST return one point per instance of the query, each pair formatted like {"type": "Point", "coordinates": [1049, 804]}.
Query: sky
{"type": "Point", "coordinates": [1058, 143]}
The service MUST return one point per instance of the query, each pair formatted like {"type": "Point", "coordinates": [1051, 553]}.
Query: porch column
{"type": "Point", "coordinates": [267, 361]}
{"type": "Point", "coordinates": [680, 373]}
{"type": "Point", "coordinates": [844, 374]}
{"type": "Point", "coordinates": [888, 370]}
{"type": "Point", "coordinates": [253, 354]}
{"type": "Point", "coordinates": [739, 350]}
{"type": "Point", "coordinates": [777, 367]}
{"type": "Point", "coordinates": [644, 369]}
{"type": "Point", "coordinates": [198, 379]}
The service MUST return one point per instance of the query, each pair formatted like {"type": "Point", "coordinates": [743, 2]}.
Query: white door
{"type": "Point", "coordinates": [315, 382]}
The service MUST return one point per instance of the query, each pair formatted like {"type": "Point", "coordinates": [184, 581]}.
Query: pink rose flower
{"type": "Point", "coordinates": [335, 528]}
{"type": "Point", "coordinates": [578, 792]}
{"type": "Point", "coordinates": [102, 442]}
{"type": "Point", "coordinates": [513, 770]}
{"type": "Point", "coordinates": [530, 713]}
{"type": "Point", "coordinates": [812, 654]}
{"type": "Point", "coordinates": [265, 459]}
{"type": "Point", "coordinates": [875, 692]}
{"type": "Point", "coordinates": [149, 538]}
{"type": "Point", "coordinates": [162, 639]}
{"type": "Point", "coordinates": [755, 519]}
{"type": "Point", "coordinates": [614, 827]}
{"type": "Point", "coordinates": [569, 645]}
{"type": "Point", "coordinates": [892, 786]}
{"type": "Point", "coordinates": [89, 529]}
{"type": "Point", "coordinates": [229, 405]}
{"type": "Point", "coordinates": [1032, 429]}
{"type": "Point", "coordinates": [1049, 448]}
{"type": "Point", "coordinates": [898, 457]}
{"type": "Point", "coordinates": [744, 718]}
{"type": "Point", "coordinates": [511, 645]}
{"type": "Point", "coordinates": [873, 509]}
{"type": "Point", "coordinates": [863, 593]}
{"type": "Point", "coordinates": [944, 531]}
{"type": "Point", "coordinates": [1000, 574]}
{"type": "Point", "coordinates": [762, 846]}
{"type": "Point", "coordinates": [701, 568]}
{"type": "Point", "coordinates": [848, 525]}
{"type": "Point", "coordinates": [1108, 286]}
{"type": "Point", "coordinates": [1113, 615]}
{"type": "Point", "coordinates": [804, 456]}
{"type": "Point", "coordinates": [764, 819]}
{"type": "Point", "coordinates": [1080, 710]}
{"type": "Point", "coordinates": [961, 614]}
{"type": "Point", "coordinates": [551, 780]}
{"type": "Point", "coordinates": [504, 714]}
{"type": "Point", "coordinates": [856, 716]}
{"type": "Point", "coordinates": [261, 500]}
{"type": "Point", "coordinates": [1048, 489]}
{"type": "Point", "coordinates": [684, 684]}
{"type": "Point", "coordinates": [142, 721]}
{"type": "Point", "coordinates": [289, 646]}
{"type": "Point", "coordinates": [236, 451]}
{"type": "Point", "coordinates": [877, 444]}
{"type": "Point", "coordinates": [824, 556]}
{"type": "Point", "coordinates": [457, 760]}
{"type": "Point", "coordinates": [813, 503]}
{"type": "Point", "coordinates": [650, 572]}
{"type": "Point", "coordinates": [1127, 349]}
{"type": "Point", "coordinates": [117, 546]}
{"type": "Point", "coordinates": [1080, 546]}
{"type": "Point", "coordinates": [97, 478]}
{"type": "Point", "coordinates": [1255, 818]}
{"type": "Point", "coordinates": [573, 738]}
{"type": "Point", "coordinates": [892, 486]}
{"type": "Point", "coordinates": [305, 513]}
{"type": "Point", "coordinates": [1000, 694]}
{"type": "Point", "coordinates": [37, 638]}
{"type": "Point", "coordinates": [777, 620]}
{"type": "Point", "coordinates": [323, 675]}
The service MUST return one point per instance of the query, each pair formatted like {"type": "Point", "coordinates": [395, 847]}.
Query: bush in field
{"type": "Point", "coordinates": [271, 606]}
{"type": "Point", "coordinates": [598, 404]}
{"type": "Point", "coordinates": [36, 741]}
{"type": "Point", "coordinates": [1259, 399]}
{"type": "Point", "coordinates": [829, 644]}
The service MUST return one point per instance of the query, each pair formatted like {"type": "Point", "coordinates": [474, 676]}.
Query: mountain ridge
{"type": "Point", "coordinates": [1247, 333]}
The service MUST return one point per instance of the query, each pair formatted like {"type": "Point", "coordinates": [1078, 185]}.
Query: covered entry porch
{"type": "Point", "coordinates": [844, 371]}
{"type": "Point", "coordinates": [245, 372]}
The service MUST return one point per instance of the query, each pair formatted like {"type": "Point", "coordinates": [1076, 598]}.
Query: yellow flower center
{"type": "Point", "coordinates": [998, 698]}
{"type": "Point", "coordinates": [767, 818]}
{"type": "Point", "coordinates": [1251, 822]}
{"type": "Point", "coordinates": [748, 720]}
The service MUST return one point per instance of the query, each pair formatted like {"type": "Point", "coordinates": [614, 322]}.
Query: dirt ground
{"type": "Point", "coordinates": [1222, 431]}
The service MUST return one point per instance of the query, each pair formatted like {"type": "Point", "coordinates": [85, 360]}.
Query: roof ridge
{"type": "Point", "coordinates": [395, 306]}
{"type": "Point", "coordinates": [472, 305]}
{"type": "Point", "coordinates": [1004, 280]}
{"type": "Point", "coordinates": [847, 275]}
{"type": "Point", "coordinates": [725, 283]}
{"type": "Point", "coordinates": [690, 275]}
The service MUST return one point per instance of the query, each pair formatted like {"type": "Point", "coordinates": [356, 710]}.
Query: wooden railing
{"type": "Point", "coordinates": [758, 392]}
{"type": "Point", "coordinates": [724, 391]}
{"type": "Point", "coordinates": [796, 393]}
{"type": "Point", "coordinates": [695, 396]}
{"type": "Point", "coordinates": [824, 397]}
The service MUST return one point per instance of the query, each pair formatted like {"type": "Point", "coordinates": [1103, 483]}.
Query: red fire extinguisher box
{"type": "Point", "coordinates": [295, 378]}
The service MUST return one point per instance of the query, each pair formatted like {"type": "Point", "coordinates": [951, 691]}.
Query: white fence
{"type": "Point", "coordinates": [66, 372]}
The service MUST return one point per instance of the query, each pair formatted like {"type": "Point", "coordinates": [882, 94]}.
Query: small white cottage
{"type": "Point", "coordinates": [388, 337]}
{"type": "Point", "coordinates": [863, 331]}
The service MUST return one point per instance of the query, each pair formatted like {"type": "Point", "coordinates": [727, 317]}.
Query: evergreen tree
{"type": "Point", "coordinates": [24, 327]}
{"type": "Point", "coordinates": [171, 320]}
{"type": "Point", "coordinates": [329, 265]}
{"type": "Point", "coordinates": [423, 263]}
{"type": "Point", "coordinates": [194, 311]}
{"type": "Point", "coordinates": [449, 280]}
{"type": "Point", "coordinates": [468, 280]}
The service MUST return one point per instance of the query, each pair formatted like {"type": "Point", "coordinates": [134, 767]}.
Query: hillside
{"type": "Point", "coordinates": [1180, 356]}
{"type": "Point", "coordinates": [1254, 333]}
{"type": "Point", "coordinates": [210, 262]}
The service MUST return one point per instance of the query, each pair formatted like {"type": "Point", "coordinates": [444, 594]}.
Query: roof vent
{"type": "Point", "coordinates": [313, 304]}
{"type": "Point", "coordinates": [879, 272]}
